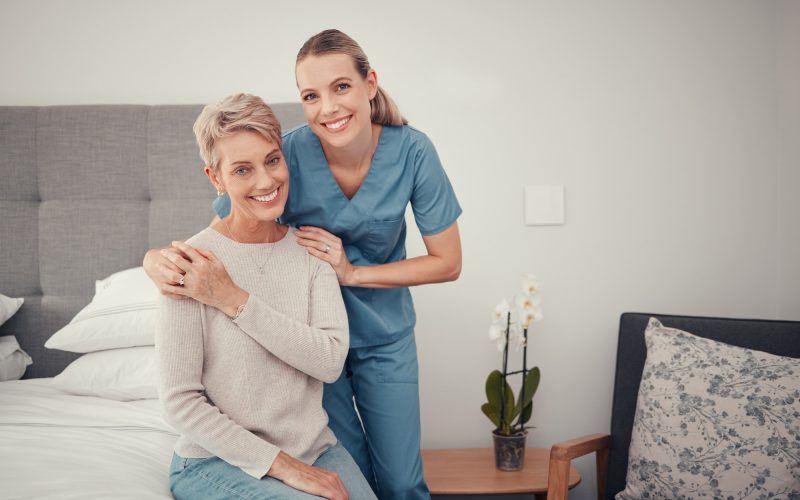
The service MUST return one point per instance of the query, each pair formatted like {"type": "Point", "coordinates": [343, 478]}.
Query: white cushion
{"type": "Point", "coordinates": [8, 306]}
{"type": "Point", "coordinates": [13, 360]}
{"type": "Point", "coordinates": [119, 374]}
{"type": "Point", "coordinates": [121, 314]}
{"type": "Point", "coordinates": [714, 421]}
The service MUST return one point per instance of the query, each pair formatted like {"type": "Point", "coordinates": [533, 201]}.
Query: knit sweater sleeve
{"type": "Point", "coordinates": [179, 358]}
{"type": "Point", "coordinates": [317, 347]}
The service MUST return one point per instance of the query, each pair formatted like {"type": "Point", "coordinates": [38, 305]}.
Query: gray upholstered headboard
{"type": "Point", "coordinates": [84, 192]}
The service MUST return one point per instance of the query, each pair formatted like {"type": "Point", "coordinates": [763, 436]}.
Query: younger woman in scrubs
{"type": "Point", "coordinates": [354, 168]}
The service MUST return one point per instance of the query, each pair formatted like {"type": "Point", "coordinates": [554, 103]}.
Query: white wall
{"type": "Point", "coordinates": [660, 118]}
{"type": "Point", "coordinates": [788, 16]}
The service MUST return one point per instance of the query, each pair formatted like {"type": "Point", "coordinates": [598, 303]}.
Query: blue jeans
{"type": "Point", "coordinates": [215, 479]}
{"type": "Point", "coordinates": [383, 380]}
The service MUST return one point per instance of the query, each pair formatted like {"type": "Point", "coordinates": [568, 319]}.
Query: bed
{"type": "Point", "coordinates": [85, 191]}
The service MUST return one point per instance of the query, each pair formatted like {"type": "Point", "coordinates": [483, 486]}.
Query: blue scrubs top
{"type": "Point", "coordinates": [405, 168]}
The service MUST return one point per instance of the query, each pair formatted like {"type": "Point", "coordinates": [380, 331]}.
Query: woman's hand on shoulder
{"type": "Point", "coordinates": [205, 279]}
{"type": "Point", "coordinates": [307, 478]}
{"type": "Point", "coordinates": [327, 247]}
{"type": "Point", "coordinates": [159, 267]}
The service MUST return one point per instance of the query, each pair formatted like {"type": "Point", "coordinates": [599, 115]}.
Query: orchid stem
{"type": "Point", "coordinates": [505, 369]}
{"type": "Point", "coordinates": [524, 373]}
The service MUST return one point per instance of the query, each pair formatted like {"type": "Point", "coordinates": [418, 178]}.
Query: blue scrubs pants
{"type": "Point", "coordinates": [383, 382]}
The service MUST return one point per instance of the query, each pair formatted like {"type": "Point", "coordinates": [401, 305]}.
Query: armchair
{"type": "Point", "coordinates": [775, 337]}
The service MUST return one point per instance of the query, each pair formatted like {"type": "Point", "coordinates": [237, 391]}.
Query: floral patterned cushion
{"type": "Point", "coordinates": [714, 421]}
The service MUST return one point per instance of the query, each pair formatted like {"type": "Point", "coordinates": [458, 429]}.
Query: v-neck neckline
{"type": "Point", "coordinates": [374, 162]}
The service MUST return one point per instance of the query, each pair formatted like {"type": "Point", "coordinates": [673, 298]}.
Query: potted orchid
{"type": "Point", "coordinates": [510, 326]}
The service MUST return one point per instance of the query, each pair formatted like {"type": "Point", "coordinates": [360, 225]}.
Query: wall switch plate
{"type": "Point", "coordinates": [544, 205]}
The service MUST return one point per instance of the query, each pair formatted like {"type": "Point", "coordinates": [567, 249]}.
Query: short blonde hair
{"type": "Point", "coordinates": [233, 114]}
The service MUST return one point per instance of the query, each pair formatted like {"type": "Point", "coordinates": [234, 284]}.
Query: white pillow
{"type": "Point", "coordinates": [119, 374]}
{"type": "Point", "coordinates": [13, 360]}
{"type": "Point", "coordinates": [8, 306]}
{"type": "Point", "coordinates": [121, 314]}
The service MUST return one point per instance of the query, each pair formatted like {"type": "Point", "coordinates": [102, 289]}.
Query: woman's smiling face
{"type": "Point", "coordinates": [335, 97]}
{"type": "Point", "coordinates": [254, 173]}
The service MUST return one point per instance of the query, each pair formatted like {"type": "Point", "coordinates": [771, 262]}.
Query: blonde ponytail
{"type": "Point", "coordinates": [384, 110]}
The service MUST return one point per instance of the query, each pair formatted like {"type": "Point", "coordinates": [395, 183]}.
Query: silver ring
{"type": "Point", "coordinates": [327, 248]}
{"type": "Point", "coordinates": [182, 280]}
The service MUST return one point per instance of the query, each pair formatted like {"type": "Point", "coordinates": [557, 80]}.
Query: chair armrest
{"type": "Point", "coordinates": [574, 448]}
{"type": "Point", "coordinates": [561, 454]}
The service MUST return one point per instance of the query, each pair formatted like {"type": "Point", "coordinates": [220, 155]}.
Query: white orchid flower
{"type": "Point", "coordinates": [501, 311]}
{"type": "Point", "coordinates": [530, 284]}
{"type": "Point", "coordinates": [528, 316]}
{"type": "Point", "coordinates": [496, 331]}
{"type": "Point", "coordinates": [524, 301]}
{"type": "Point", "coordinates": [497, 334]}
{"type": "Point", "coordinates": [515, 338]}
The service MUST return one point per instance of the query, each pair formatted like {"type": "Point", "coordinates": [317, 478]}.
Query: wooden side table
{"type": "Point", "coordinates": [471, 471]}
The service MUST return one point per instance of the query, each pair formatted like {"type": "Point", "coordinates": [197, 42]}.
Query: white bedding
{"type": "Point", "coordinates": [56, 445]}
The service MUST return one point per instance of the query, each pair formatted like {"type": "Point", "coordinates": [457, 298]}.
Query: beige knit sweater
{"type": "Point", "coordinates": [244, 390]}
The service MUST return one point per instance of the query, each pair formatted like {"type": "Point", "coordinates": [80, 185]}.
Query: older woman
{"type": "Point", "coordinates": [242, 365]}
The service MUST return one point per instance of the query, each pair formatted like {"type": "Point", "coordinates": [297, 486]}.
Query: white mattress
{"type": "Point", "coordinates": [55, 445]}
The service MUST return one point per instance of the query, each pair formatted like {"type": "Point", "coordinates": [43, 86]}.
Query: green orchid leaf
{"type": "Point", "coordinates": [532, 379]}
{"type": "Point", "coordinates": [502, 403]}
{"type": "Point", "coordinates": [526, 414]}
{"type": "Point", "coordinates": [493, 383]}
{"type": "Point", "coordinates": [490, 412]}
{"type": "Point", "coordinates": [510, 412]}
